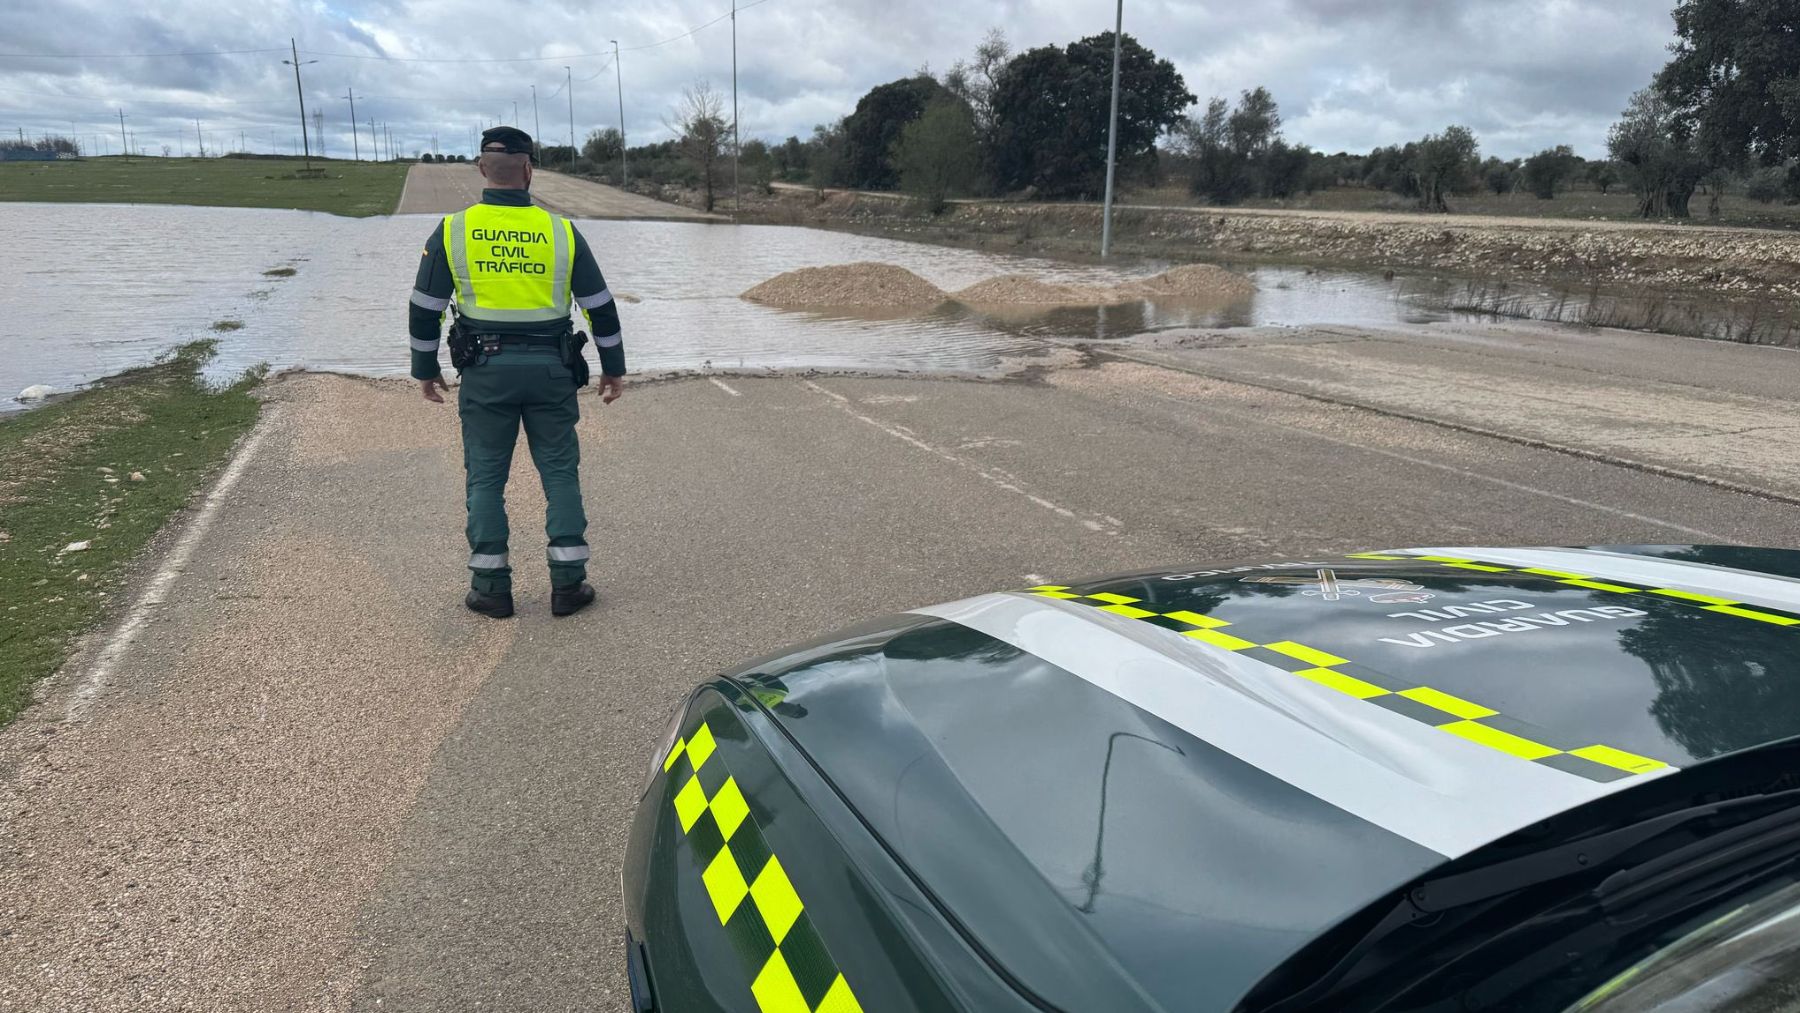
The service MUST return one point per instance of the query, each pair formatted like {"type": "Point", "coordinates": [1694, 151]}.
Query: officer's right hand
{"type": "Point", "coordinates": [609, 388]}
{"type": "Point", "coordinates": [426, 388]}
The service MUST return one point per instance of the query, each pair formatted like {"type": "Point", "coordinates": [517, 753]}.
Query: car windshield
{"type": "Point", "coordinates": [1746, 960]}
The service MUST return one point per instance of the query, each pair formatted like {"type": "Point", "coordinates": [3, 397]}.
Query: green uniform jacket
{"type": "Point", "coordinates": [435, 284]}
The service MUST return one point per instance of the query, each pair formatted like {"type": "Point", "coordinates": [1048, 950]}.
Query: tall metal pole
{"type": "Point", "coordinates": [124, 141]}
{"type": "Point", "coordinates": [199, 138]}
{"type": "Point", "coordinates": [619, 79]}
{"type": "Point", "coordinates": [305, 143]}
{"type": "Point", "coordinates": [355, 145]}
{"type": "Point", "coordinates": [737, 195]}
{"type": "Point", "coordinates": [537, 126]}
{"type": "Point", "coordinates": [570, 85]}
{"type": "Point", "coordinates": [1112, 136]}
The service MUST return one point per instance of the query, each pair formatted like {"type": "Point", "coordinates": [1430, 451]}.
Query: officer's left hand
{"type": "Point", "coordinates": [425, 388]}
{"type": "Point", "coordinates": [610, 388]}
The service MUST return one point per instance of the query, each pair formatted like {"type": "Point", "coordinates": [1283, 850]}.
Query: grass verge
{"type": "Point", "coordinates": [357, 189]}
{"type": "Point", "coordinates": [107, 467]}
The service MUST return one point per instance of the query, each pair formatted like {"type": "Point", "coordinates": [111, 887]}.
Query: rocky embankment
{"type": "Point", "coordinates": [1677, 260]}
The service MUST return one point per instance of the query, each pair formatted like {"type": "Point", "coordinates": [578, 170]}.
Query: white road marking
{"type": "Point", "coordinates": [1093, 522]}
{"type": "Point", "coordinates": [157, 592]}
{"type": "Point", "coordinates": [722, 385]}
{"type": "Point", "coordinates": [1586, 504]}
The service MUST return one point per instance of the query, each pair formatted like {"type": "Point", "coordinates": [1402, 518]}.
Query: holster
{"type": "Point", "coordinates": [572, 344]}
{"type": "Point", "coordinates": [465, 350]}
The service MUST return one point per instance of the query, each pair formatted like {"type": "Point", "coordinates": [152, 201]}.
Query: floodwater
{"type": "Point", "coordinates": [95, 289]}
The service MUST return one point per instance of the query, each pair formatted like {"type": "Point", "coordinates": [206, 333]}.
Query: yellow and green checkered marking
{"type": "Point", "coordinates": [1706, 602]}
{"type": "Point", "coordinates": [790, 969]}
{"type": "Point", "coordinates": [1465, 719]}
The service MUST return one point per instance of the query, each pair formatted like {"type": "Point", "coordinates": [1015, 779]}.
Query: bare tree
{"type": "Point", "coordinates": [974, 81]}
{"type": "Point", "coordinates": [700, 124]}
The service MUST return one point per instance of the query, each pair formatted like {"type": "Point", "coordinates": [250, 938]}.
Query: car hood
{"type": "Point", "coordinates": [1171, 781]}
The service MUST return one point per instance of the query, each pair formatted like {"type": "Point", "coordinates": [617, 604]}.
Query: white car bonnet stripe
{"type": "Point", "coordinates": [1432, 788]}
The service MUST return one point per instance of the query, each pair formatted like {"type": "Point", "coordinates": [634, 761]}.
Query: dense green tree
{"type": "Point", "coordinates": [1546, 172]}
{"type": "Point", "coordinates": [937, 155]}
{"type": "Point", "coordinates": [1603, 173]}
{"type": "Point", "coordinates": [1734, 81]}
{"type": "Point", "coordinates": [1498, 175]}
{"type": "Point", "coordinates": [790, 159]}
{"type": "Point", "coordinates": [602, 147]}
{"type": "Point", "coordinates": [1443, 164]}
{"type": "Point", "coordinates": [1655, 152]}
{"type": "Point", "coordinates": [880, 116]}
{"type": "Point", "coordinates": [1051, 106]}
{"type": "Point", "coordinates": [826, 161]}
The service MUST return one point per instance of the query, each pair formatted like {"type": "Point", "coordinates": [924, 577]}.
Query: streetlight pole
{"type": "Point", "coordinates": [1112, 135]}
{"type": "Point", "coordinates": [296, 64]}
{"type": "Point", "coordinates": [619, 79]}
{"type": "Point", "coordinates": [537, 126]}
{"type": "Point", "coordinates": [569, 83]}
{"type": "Point", "coordinates": [124, 141]}
{"type": "Point", "coordinates": [737, 195]}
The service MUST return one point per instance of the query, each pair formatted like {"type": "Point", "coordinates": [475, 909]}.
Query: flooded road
{"type": "Point", "coordinates": [103, 288]}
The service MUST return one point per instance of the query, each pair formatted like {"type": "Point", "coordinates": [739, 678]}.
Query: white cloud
{"type": "Point", "coordinates": [1349, 74]}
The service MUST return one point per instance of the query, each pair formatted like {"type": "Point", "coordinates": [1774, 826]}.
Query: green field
{"type": "Point", "coordinates": [350, 188]}
{"type": "Point", "coordinates": [85, 484]}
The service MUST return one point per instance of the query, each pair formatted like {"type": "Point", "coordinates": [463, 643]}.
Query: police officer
{"type": "Point", "coordinates": [512, 270]}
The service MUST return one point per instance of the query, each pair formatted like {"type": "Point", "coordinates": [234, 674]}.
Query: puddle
{"type": "Point", "coordinates": [102, 288]}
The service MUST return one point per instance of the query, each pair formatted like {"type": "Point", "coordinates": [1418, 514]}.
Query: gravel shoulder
{"type": "Point", "coordinates": [315, 782]}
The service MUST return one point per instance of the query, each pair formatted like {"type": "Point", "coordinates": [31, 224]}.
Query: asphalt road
{"type": "Point", "coordinates": [315, 782]}
{"type": "Point", "coordinates": [442, 189]}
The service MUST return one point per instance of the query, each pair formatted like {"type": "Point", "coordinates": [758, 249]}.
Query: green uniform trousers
{"type": "Point", "coordinates": [528, 385]}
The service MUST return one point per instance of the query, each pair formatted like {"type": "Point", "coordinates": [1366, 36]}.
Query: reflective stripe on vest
{"type": "Point", "coordinates": [511, 264]}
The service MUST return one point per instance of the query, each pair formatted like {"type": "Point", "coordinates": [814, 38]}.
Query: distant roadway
{"type": "Point", "coordinates": [442, 189]}
{"type": "Point", "coordinates": [315, 782]}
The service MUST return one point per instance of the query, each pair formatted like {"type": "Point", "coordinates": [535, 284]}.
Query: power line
{"type": "Point", "coordinates": [137, 56]}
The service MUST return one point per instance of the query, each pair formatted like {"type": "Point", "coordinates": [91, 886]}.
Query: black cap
{"type": "Point", "coordinates": [511, 140]}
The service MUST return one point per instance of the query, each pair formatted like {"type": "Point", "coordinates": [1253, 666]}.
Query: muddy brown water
{"type": "Point", "coordinates": [96, 289]}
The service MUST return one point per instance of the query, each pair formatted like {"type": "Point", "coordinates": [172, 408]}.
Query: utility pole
{"type": "Point", "coordinates": [374, 148]}
{"type": "Point", "coordinates": [355, 146]}
{"type": "Point", "coordinates": [537, 126]}
{"type": "Point", "coordinates": [1112, 136]}
{"type": "Point", "coordinates": [301, 92]}
{"type": "Point", "coordinates": [619, 79]}
{"type": "Point", "coordinates": [243, 144]}
{"type": "Point", "coordinates": [570, 83]}
{"type": "Point", "coordinates": [737, 195]}
{"type": "Point", "coordinates": [319, 130]}
{"type": "Point", "coordinates": [515, 113]}
{"type": "Point", "coordinates": [124, 139]}
{"type": "Point", "coordinates": [200, 138]}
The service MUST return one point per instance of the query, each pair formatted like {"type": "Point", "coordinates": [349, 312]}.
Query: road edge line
{"type": "Point", "coordinates": [173, 565]}
{"type": "Point", "coordinates": [1533, 442]}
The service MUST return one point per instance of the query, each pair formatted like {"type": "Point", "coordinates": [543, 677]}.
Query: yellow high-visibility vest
{"type": "Point", "coordinates": [511, 264]}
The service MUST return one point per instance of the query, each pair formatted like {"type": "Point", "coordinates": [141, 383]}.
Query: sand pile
{"type": "Point", "coordinates": [1196, 281]}
{"type": "Point", "coordinates": [873, 285]}
{"type": "Point", "coordinates": [1189, 283]}
{"type": "Point", "coordinates": [1024, 290]}
{"type": "Point", "coordinates": [862, 284]}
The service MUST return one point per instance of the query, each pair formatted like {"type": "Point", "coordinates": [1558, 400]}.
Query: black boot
{"type": "Point", "coordinates": [494, 606]}
{"type": "Point", "coordinates": [566, 601]}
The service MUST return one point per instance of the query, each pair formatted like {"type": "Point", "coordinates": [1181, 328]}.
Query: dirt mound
{"type": "Point", "coordinates": [1024, 290]}
{"type": "Point", "coordinates": [1192, 282]}
{"type": "Point", "coordinates": [862, 284]}
{"type": "Point", "coordinates": [1196, 281]}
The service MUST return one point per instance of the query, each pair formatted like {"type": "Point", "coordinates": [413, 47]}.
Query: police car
{"type": "Point", "coordinates": [1429, 779]}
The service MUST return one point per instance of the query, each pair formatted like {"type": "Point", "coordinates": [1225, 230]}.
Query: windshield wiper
{"type": "Point", "coordinates": [1711, 853]}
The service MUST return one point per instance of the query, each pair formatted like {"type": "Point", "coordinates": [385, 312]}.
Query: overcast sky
{"type": "Point", "coordinates": [1349, 74]}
